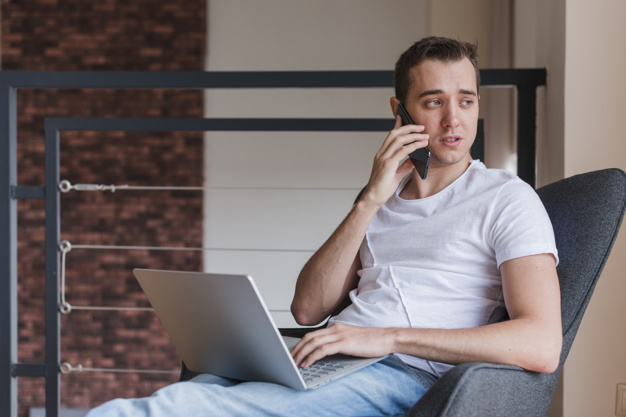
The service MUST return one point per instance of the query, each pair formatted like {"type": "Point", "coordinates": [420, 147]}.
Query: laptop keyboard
{"type": "Point", "coordinates": [320, 369]}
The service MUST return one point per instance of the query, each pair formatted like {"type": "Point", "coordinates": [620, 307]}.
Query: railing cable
{"type": "Point", "coordinates": [65, 187]}
{"type": "Point", "coordinates": [67, 368]}
{"type": "Point", "coordinates": [65, 247]}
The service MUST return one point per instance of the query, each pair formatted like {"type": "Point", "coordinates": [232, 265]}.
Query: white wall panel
{"type": "Point", "coordinates": [290, 159]}
{"type": "Point", "coordinates": [322, 171]}
{"type": "Point", "coordinates": [299, 102]}
{"type": "Point", "coordinates": [273, 219]}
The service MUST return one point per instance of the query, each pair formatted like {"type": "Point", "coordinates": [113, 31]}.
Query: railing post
{"type": "Point", "coordinates": [527, 133]}
{"type": "Point", "coordinates": [8, 251]}
{"type": "Point", "coordinates": [53, 321]}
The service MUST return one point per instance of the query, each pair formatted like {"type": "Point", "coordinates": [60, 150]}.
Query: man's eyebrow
{"type": "Point", "coordinates": [468, 92]}
{"type": "Point", "coordinates": [430, 93]}
{"type": "Point", "coordinates": [438, 91]}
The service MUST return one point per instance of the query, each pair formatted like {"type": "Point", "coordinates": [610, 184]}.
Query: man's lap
{"type": "Point", "coordinates": [385, 388]}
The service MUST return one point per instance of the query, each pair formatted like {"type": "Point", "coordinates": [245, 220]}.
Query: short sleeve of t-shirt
{"type": "Point", "coordinates": [520, 225]}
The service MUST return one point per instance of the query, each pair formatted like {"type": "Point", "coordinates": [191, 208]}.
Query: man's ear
{"type": "Point", "coordinates": [394, 102]}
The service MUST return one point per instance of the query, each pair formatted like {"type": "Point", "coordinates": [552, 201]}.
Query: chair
{"type": "Point", "coordinates": [586, 212]}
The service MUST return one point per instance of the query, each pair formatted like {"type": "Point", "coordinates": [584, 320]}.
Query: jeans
{"type": "Point", "coordinates": [388, 387]}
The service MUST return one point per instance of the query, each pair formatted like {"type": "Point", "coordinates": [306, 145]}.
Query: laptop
{"type": "Point", "coordinates": [219, 324]}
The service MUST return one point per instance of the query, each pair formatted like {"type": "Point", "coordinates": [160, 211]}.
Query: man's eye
{"type": "Point", "coordinates": [467, 102]}
{"type": "Point", "coordinates": [433, 103]}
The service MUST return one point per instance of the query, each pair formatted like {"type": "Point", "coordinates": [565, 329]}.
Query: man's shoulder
{"type": "Point", "coordinates": [479, 169]}
{"type": "Point", "coordinates": [492, 178]}
{"type": "Point", "coordinates": [501, 188]}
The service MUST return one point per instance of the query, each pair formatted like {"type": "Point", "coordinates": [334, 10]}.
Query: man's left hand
{"type": "Point", "coordinates": [368, 342]}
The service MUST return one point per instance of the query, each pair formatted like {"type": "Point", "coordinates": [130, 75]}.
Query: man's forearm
{"type": "Point", "coordinates": [524, 343]}
{"type": "Point", "coordinates": [331, 272]}
{"type": "Point", "coordinates": [531, 345]}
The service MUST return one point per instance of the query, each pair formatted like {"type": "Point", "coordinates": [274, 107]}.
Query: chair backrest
{"type": "Point", "coordinates": [586, 212]}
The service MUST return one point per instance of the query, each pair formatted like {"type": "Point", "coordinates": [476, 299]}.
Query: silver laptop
{"type": "Point", "coordinates": [219, 324]}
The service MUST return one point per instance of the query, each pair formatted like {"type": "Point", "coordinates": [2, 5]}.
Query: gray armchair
{"type": "Point", "coordinates": [586, 212]}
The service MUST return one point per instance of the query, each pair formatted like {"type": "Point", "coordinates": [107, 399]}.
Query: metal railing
{"type": "Point", "coordinates": [525, 81]}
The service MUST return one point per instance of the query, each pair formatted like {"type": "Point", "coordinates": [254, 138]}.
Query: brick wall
{"type": "Point", "coordinates": [106, 35]}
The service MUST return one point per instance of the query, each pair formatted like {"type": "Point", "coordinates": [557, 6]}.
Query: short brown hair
{"type": "Point", "coordinates": [434, 48]}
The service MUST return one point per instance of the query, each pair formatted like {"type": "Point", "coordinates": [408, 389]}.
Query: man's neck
{"type": "Point", "coordinates": [437, 180]}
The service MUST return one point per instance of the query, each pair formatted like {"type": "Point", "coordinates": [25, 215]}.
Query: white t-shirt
{"type": "Point", "coordinates": [434, 262]}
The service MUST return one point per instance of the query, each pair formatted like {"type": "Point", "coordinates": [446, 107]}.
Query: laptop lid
{"type": "Point", "coordinates": [219, 324]}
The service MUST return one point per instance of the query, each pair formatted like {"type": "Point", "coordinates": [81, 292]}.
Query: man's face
{"type": "Point", "coordinates": [444, 98]}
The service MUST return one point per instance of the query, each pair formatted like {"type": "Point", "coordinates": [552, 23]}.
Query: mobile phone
{"type": "Point", "coordinates": [420, 157]}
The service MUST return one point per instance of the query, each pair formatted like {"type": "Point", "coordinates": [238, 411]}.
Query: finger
{"type": "Point", "coordinates": [333, 340]}
{"type": "Point", "coordinates": [324, 350]}
{"type": "Point", "coordinates": [318, 347]}
{"type": "Point", "coordinates": [402, 137]}
{"type": "Point", "coordinates": [404, 147]}
{"type": "Point", "coordinates": [308, 344]}
{"type": "Point", "coordinates": [313, 351]}
{"type": "Point", "coordinates": [412, 138]}
{"type": "Point", "coordinates": [415, 141]}
{"type": "Point", "coordinates": [323, 343]}
{"type": "Point", "coordinates": [397, 131]}
{"type": "Point", "coordinates": [296, 351]}
{"type": "Point", "coordinates": [407, 129]}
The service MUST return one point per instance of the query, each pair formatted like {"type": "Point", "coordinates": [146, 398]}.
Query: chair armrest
{"type": "Point", "coordinates": [485, 390]}
{"type": "Point", "coordinates": [299, 331]}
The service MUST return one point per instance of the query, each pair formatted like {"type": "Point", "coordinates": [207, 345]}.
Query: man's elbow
{"type": "Point", "coordinates": [544, 365]}
{"type": "Point", "coordinates": [546, 357]}
{"type": "Point", "coordinates": [302, 316]}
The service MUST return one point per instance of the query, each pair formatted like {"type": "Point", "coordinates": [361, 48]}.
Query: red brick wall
{"type": "Point", "coordinates": [106, 35]}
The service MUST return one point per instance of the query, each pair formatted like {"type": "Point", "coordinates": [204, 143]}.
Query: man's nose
{"type": "Point", "coordinates": [450, 116]}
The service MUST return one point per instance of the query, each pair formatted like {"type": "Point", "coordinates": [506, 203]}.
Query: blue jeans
{"type": "Point", "coordinates": [388, 387]}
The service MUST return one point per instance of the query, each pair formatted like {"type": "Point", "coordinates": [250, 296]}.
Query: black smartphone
{"type": "Point", "coordinates": [421, 156]}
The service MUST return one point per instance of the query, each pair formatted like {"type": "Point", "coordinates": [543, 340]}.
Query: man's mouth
{"type": "Point", "coordinates": [453, 139]}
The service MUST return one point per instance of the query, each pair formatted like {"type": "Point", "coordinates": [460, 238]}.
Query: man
{"type": "Point", "coordinates": [431, 266]}
{"type": "Point", "coordinates": [436, 80]}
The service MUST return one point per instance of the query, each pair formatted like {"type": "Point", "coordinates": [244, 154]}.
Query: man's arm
{"type": "Point", "coordinates": [331, 272]}
{"type": "Point", "coordinates": [531, 339]}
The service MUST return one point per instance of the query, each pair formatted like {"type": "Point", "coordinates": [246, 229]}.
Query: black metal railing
{"type": "Point", "coordinates": [525, 81]}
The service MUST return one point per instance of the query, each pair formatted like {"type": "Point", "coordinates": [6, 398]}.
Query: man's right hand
{"type": "Point", "coordinates": [388, 171]}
